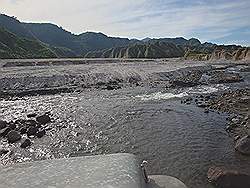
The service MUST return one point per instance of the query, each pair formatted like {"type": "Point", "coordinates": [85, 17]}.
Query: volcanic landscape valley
{"type": "Point", "coordinates": [188, 119]}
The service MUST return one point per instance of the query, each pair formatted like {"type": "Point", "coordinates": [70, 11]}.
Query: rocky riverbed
{"type": "Point", "coordinates": [173, 113]}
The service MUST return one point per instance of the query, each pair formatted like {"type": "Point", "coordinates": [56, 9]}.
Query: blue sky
{"type": "Point", "coordinates": [219, 21]}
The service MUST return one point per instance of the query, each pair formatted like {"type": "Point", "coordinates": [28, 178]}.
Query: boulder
{"type": "Point", "coordinates": [243, 145]}
{"type": "Point", "coordinates": [40, 133]}
{"type": "Point", "coordinates": [13, 136]}
{"type": "Point", "coordinates": [5, 131]}
{"type": "Point", "coordinates": [3, 124]}
{"type": "Point", "coordinates": [32, 131]}
{"type": "Point", "coordinates": [26, 143]}
{"type": "Point", "coordinates": [44, 119]}
{"type": "Point", "coordinates": [222, 178]}
{"type": "Point", "coordinates": [32, 115]}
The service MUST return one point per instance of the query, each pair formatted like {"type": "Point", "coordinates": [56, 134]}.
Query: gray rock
{"type": "Point", "coordinates": [5, 131]}
{"type": "Point", "coordinates": [243, 145]}
{"type": "Point", "coordinates": [202, 105]}
{"type": "Point", "coordinates": [13, 136]}
{"type": "Point", "coordinates": [44, 119]}
{"type": "Point", "coordinates": [3, 124]}
{"type": "Point", "coordinates": [12, 126]}
{"type": "Point", "coordinates": [235, 120]}
{"type": "Point", "coordinates": [222, 178]}
{"type": "Point", "coordinates": [32, 131]}
{"type": "Point", "coordinates": [40, 133]}
{"type": "Point", "coordinates": [206, 111]}
{"type": "Point", "coordinates": [31, 122]}
{"type": "Point", "coordinates": [23, 130]}
{"type": "Point", "coordinates": [26, 143]}
{"type": "Point", "coordinates": [3, 151]}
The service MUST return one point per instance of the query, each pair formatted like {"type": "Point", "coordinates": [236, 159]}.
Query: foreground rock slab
{"type": "Point", "coordinates": [222, 178]}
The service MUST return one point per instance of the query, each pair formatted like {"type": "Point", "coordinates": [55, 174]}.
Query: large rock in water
{"type": "Point", "coordinates": [243, 145]}
{"type": "Point", "coordinates": [228, 179]}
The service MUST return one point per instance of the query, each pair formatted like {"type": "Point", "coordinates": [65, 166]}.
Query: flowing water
{"type": "Point", "coordinates": [176, 139]}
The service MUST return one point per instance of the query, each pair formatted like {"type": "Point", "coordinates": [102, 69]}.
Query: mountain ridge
{"type": "Point", "coordinates": [91, 44]}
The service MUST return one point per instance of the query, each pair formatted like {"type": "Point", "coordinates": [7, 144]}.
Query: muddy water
{"type": "Point", "coordinates": [176, 139]}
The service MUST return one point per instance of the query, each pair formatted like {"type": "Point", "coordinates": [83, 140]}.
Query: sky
{"type": "Point", "coordinates": [218, 21]}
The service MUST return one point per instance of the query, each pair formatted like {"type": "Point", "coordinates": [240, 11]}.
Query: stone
{"type": "Point", "coordinates": [228, 128]}
{"type": "Point", "coordinates": [12, 126]}
{"type": "Point", "coordinates": [206, 111]}
{"type": "Point", "coordinates": [3, 124]}
{"type": "Point", "coordinates": [13, 136]}
{"type": "Point", "coordinates": [235, 120]}
{"type": "Point", "coordinates": [237, 137]}
{"type": "Point", "coordinates": [44, 119]}
{"type": "Point", "coordinates": [40, 133]}
{"type": "Point", "coordinates": [31, 123]}
{"type": "Point", "coordinates": [3, 151]}
{"type": "Point", "coordinates": [23, 130]}
{"type": "Point", "coordinates": [32, 131]}
{"type": "Point", "coordinates": [243, 145]}
{"type": "Point", "coordinates": [26, 143]}
{"type": "Point", "coordinates": [202, 105]}
{"type": "Point", "coordinates": [222, 178]}
{"type": "Point", "coordinates": [4, 131]}
{"type": "Point", "coordinates": [109, 87]}
{"type": "Point", "coordinates": [20, 122]}
{"type": "Point", "coordinates": [32, 115]}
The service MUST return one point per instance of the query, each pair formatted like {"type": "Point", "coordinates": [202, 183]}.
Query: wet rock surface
{"type": "Point", "coordinates": [223, 178]}
{"type": "Point", "coordinates": [243, 145]}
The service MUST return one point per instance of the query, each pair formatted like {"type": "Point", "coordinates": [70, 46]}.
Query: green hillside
{"type": "Point", "coordinates": [12, 46]}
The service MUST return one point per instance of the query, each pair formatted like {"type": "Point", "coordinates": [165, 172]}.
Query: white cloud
{"type": "Point", "coordinates": [137, 18]}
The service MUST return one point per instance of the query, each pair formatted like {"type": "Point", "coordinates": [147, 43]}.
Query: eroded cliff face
{"type": "Point", "coordinates": [231, 53]}
{"type": "Point", "coordinates": [148, 50]}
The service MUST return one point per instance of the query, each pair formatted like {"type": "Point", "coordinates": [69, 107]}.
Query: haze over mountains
{"type": "Point", "coordinates": [46, 40]}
